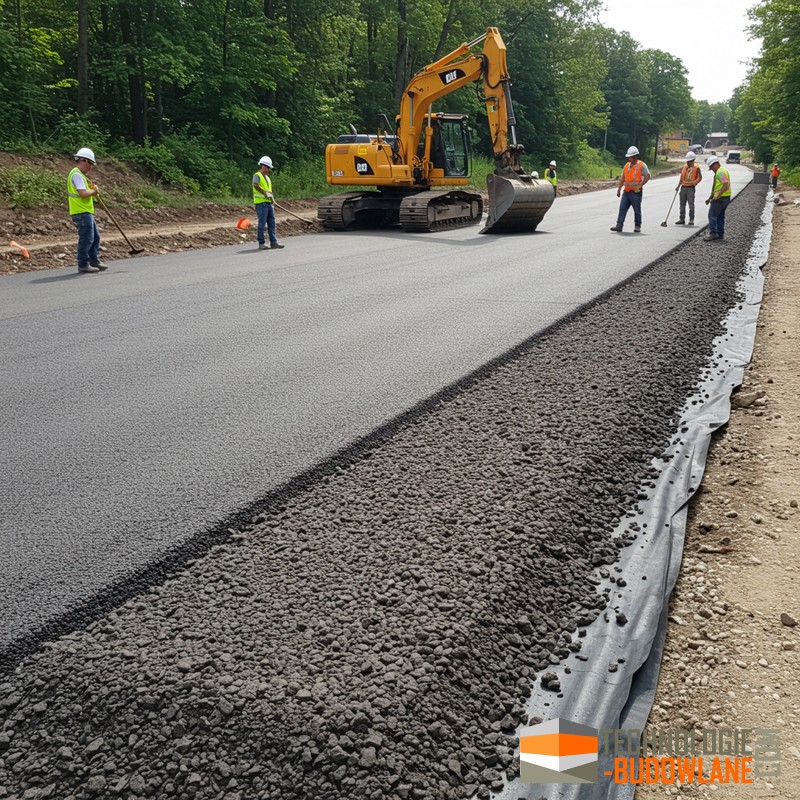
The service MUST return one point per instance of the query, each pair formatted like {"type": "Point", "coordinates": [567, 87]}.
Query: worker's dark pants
{"type": "Point", "coordinates": [716, 217]}
{"type": "Point", "coordinates": [774, 182]}
{"type": "Point", "coordinates": [628, 200]}
{"type": "Point", "coordinates": [687, 196]}
{"type": "Point", "coordinates": [88, 239]}
{"type": "Point", "coordinates": [266, 218]}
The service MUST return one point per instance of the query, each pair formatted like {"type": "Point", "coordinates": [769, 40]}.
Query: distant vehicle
{"type": "Point", "coordinates": [696, 148]}
{"type": "Point", "coordinates": [734, 157]}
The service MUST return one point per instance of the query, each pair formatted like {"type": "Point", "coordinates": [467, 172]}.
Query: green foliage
{"type": "Point", "coordinates": [24, 187]}
{"type": "Point", "coordinates": [588, 163]}
{"type": "Point", "coordinates": [769, 108]}
{"type": "Point", "coordinates": [162, 163]}
{"type": "Point", "coordinates": [73, 131]}
{"type": "Point", "coordinates": [150, 197]}
{"type": "Point", "coordinates": [791, 176]}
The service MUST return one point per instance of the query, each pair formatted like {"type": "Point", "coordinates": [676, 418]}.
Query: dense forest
{"type": "Point", "coordinates": [198, 89]}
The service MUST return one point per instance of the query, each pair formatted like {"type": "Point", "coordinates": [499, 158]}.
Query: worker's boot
{"type": "Point", "coordinates": [691, 223]}
{"type": "Point", "coordinates": [637, 228]}
{"type": "Point", "coordinates": [276, 246]}
{"type": "Point", "coordinates": [616, 228]}
{"type": "Point", "coordinates": [680, 222]}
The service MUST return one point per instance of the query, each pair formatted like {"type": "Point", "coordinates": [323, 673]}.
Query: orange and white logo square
{"type": "Point", "coordinates": [558, 751]}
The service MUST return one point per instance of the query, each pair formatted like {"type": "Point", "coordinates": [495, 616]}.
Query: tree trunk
{"type": "Point", "coordinates": [135, 87]}
{"type": "Point", "coordinates": [401, 62]}
{"type": "Point", "coordinates": [83, 56]}
{"type": "Point", "coordinates": [445, 32]}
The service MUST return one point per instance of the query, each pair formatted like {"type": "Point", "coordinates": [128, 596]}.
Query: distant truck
{"type": "Point", "coordinates": [696, 148]}
{"type": "Point", "coordinates": [734, 157]}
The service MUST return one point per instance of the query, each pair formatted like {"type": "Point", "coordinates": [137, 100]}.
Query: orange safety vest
{"type": "Point", "coordinates": [775, 172]}
{"type": "Point", "coordinates": [631, 174]}
{"type": "Point", "coordinates": [690, 178]}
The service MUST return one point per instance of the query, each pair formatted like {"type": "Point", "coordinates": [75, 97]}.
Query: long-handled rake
{"type": "Point", "coordinates": [302, 219]}
{"type": "Point", "coordinates": [134, 251]}
{"type": "Point", "coordinates": [664, 223]}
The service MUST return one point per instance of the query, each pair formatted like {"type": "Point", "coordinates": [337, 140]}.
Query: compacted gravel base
{"type": "Point", "coordinates": [376, 634]}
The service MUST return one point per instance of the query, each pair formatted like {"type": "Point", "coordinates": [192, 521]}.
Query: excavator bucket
{"type": "Point", "coordinates": [517, 203]}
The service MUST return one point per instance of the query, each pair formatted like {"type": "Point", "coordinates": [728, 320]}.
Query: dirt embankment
{"type": "Point", "coordinates": [731, 658]}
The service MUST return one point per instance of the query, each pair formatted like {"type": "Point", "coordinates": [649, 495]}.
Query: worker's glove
{"type": "Point", "coordinates": [677, 189]}
{"type": "Point", "coordinates": [708, 201]}
{"type": "Point", "coordinates": [270, 196]}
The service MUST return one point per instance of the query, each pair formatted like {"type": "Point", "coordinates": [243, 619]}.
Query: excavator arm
{"type": "Point", "coordinates": [451, 72]}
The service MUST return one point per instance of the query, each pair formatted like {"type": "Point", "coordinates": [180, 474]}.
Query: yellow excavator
{"type": "Point", "coordinates": [430, 150]}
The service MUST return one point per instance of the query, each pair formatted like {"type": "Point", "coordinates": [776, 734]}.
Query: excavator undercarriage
{"type": "Point", "coordinates": [421, 211]}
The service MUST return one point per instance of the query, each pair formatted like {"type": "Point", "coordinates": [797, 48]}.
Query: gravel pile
{"type": "Point", "coordinates": [376, 634]}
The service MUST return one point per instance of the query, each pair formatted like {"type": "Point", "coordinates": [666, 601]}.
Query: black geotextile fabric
{"type": "Point", "coordinates": [380, 627]}
{"type": "Point", "coordinates": [648, 572]}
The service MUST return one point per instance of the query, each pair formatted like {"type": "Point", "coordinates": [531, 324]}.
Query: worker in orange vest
{"type": "Point", "coordinates": [634, 176]}
{"type": "Point", "coordinates": [691, 175]}
{"type": "Point", "coordinates": [775, 173]}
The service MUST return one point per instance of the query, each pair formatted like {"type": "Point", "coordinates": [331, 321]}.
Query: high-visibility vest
{"type": "Point", "coordinates": [550, 175]}
{"type": "Point", "coordinates": [690, 175]}
{"type": "Point", "coordinates": [266, 184]}
{"type": "Point", "coordinates": [718, 183]}
{"type": "Point", "coordinates": [775, 172]}
{"type": "Point", "coordinates": [78, 204]}
{"type": "Point", "coordinates": [632, 174]}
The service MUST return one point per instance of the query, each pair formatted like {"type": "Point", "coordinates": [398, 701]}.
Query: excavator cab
{"type": "Point", "coordinates": [450, 145]}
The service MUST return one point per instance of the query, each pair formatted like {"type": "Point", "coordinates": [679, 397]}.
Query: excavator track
{"type": "Point", "coordinates": [337, 212]}
{"type": "Point", "coordinates": [432, 211]}
{"type": "Point", "coordinates": [417, 211]}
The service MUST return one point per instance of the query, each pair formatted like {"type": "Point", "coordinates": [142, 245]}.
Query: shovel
{"type": "Point", "coordinates": [664, 223]}
{"type": "Point", "coordinates": [134, 251]}
{"type": "Point", "coordinates": [302, 219]}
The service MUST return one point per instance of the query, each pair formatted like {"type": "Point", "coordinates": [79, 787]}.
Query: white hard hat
{"type": "Point", "coordinates": [86, 153]}
{"type": "Point", "coordinates": [711, 160]}
{"type": "Point", "coordinates": [632, 151]}
{"type": "Point", "coordinates": [691, 155]}
{"type": "Point", "coordinates": [534, 174]}
{"type": "Point", "coordinates": [552, 164]}
{"type": "Point", "coordinates": [266, 161]}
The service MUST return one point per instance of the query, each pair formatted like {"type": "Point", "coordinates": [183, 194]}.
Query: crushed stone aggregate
{"type": "Point", "coordinates": [377, 633]}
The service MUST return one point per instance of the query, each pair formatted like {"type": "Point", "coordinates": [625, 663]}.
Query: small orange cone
{"type": "Point", "coordinates": [243, 224]}
{"type": "Point", "coordinates": [19, 247]}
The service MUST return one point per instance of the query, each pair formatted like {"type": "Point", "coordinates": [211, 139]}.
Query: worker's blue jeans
{"type": "Point", "coordinates": [266, 217]}
{"type": "Point", "coordinates": [88, 239]}
{"type": "Point", "coordinates": [628, 200]}
{"type": "Point", "coordinates": [716, 217]}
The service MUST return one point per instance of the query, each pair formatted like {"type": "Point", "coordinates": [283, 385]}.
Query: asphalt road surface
{"type": "Point", "coordinates": [142, 405]}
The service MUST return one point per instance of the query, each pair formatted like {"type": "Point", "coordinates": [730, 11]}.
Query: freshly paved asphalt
{"type": "Point", "coordinates": [143, 405]}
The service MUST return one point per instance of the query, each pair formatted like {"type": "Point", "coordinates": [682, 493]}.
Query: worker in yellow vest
{"type": "Point", "coordinates": [635, 175]}
{"type": "Point", "coordinates": [551, 175]}
{"type": "Point", "coordinates": [718, 200]}
{"type": "Point", "coordinates": [264, 201]}
{"type": "Point", "coordinates": [691, 175]}
{"type": "Point", "coordinates": [81, 193]}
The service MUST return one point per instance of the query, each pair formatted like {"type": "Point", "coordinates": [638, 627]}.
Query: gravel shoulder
{"type": "Point", "coordinates": [731, 656]}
